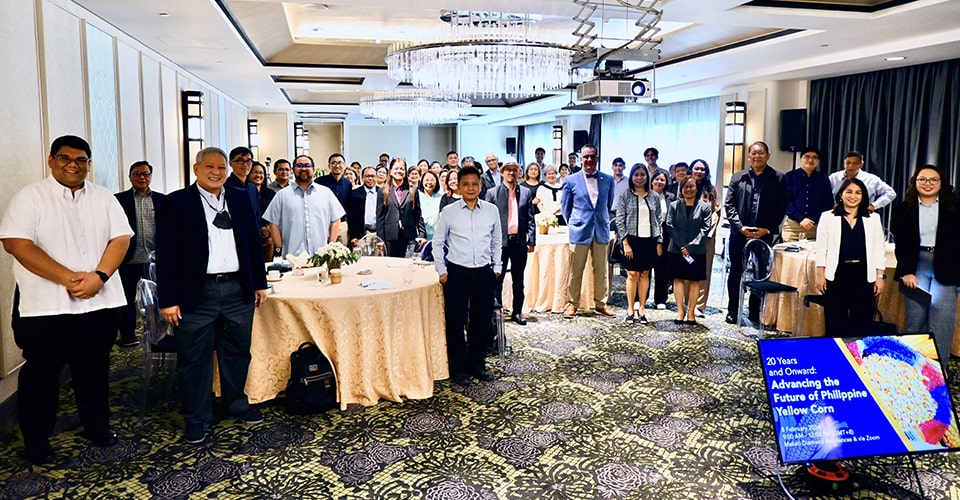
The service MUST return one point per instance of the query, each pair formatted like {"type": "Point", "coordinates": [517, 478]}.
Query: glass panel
{"type": "Point", "coordinates": [104, 131]}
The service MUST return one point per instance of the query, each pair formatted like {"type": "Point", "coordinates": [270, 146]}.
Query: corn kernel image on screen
{"type": "Point", "coordinates": [835, 398]}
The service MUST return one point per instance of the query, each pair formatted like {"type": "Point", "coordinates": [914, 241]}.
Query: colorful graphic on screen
{"type": "Point", "coordinates": [835, 398]}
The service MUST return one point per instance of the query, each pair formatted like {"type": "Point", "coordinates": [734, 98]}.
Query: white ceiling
{"type": "Point", "coordinates": [703, 43]}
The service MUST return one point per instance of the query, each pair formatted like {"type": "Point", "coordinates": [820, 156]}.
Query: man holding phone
{"type": "Point", "coordinates": [755, 203]}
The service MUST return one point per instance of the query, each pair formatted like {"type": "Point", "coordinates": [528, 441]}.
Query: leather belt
{"type": "Point", "coordinates": [927, 249]}
{"type": "Point", "coordinates": [222, 277]}
{"type": "Point", "coordinates": [854, 261]}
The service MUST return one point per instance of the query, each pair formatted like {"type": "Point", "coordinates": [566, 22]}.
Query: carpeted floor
{"type": "Point", "coordinates": [584, 409]}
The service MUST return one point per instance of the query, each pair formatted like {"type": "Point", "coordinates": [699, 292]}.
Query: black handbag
{"type": "Point", "coordinates": [616, 254]}
{"type": "Point", "coordinates": [312, 387]}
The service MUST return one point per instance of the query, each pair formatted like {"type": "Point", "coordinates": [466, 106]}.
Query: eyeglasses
{"type": "Point", "coordinates": [810, 157]}
{"type": "Point", "coordinates": [924, 180]}
{"type": "Point", "coordinates": [248, 161]}
{"type": "Point", "coordinates": [66, 160]}
{"type": "Point", "coordinates": [140, 174]}
{"type": "Point", "coordinates": [302, 165]}
{"type": "Point", "coordinates": [338, 162]}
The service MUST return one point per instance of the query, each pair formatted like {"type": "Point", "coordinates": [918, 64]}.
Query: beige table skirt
{"type": "Point", "coordinates": [383, 344]}
{"type": "Point", "coordinates": [786, 311]}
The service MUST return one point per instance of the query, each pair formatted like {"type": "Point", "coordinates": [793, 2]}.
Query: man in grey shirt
{"type": "Point", "coordinates": [466, 251]}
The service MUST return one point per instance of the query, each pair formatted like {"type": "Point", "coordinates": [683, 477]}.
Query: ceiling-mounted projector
{"type": "Point", "coordinates": [614, 90]}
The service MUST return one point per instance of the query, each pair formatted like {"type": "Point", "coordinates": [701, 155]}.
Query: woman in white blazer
{"type": "Point", "coordinates": [851, 259]}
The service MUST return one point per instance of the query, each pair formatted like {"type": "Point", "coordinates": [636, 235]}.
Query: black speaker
{"type": "Point", "coordinates": [511, 145]}
{"type": "Point", "coordinates": [793, 129]}
{"type": "Point", "coordinates": [579, 139]}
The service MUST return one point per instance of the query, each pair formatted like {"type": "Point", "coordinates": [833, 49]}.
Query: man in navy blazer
{"type": "Point", "coordinates": [140, 204]}
{"type": "Point", "coordinates": [586, 203]}
{"type": "Point", "coordinates": [518, 230]}
{"type": "Point", "coordinates": [210, 278]}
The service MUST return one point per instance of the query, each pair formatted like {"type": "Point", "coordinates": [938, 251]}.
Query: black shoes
{"type": "Point", "coordinates": [483, 375]}
{"type": "Point", "coordinates": [462, 379]}
{"type": "Point", "coordinates": [127, 343]}
{"type": "Point", "coordinates": [730, 319]}
{"type": "Point", "coordinates": [249, 416]}
{"type": "Point", "coordinates": [39, 454]}
{"type": "Point", "coordinates": [106, 437]}
{"type": "Point", "coordinates": [194, 433]}
{"type": "Point", "coordinates": [516, 318]}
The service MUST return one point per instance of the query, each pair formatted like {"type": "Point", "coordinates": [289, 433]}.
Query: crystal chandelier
{"type": "Point", "coordinates": [483, 55]}
{"type": "Point", "coordinates": [414, 106]}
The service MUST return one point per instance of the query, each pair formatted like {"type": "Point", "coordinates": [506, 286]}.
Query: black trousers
{"type": "Point", "coordinates": [130, 275]}
{"type": "Point", "coordinates": [221, 322]}
{"type": "Point", "coordinates": [516, 255]}
{"type": "Point", "coordinates": [468, 290]}
{"type": "Point", "coordinates": [82, 341]}
{"type": "Point", "coordinates": [848, 302]}
{"type": "Point", "coordinates": [736, 246]}
{"type": "Point", "coordinates": [396, 248]}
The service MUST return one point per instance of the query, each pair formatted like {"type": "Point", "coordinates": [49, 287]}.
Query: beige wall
{"type": "Point", "coordinates": [325, 139]}
{"type": "Point", "coordinates": [275, 131]}
{"type": "Point", "coordinates": [47, 96]}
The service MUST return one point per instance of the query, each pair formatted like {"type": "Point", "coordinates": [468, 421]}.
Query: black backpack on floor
{"type": "Point", "coordinates": [311, 388]}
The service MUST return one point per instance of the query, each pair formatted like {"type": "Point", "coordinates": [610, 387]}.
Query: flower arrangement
{"type": "Point", "coordinates": [546, 220]}
{"type": "Point", "coordinates": [334, 255]}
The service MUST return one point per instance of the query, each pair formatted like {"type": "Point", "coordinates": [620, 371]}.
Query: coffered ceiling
{"type": "Point", "coordinates": [319, 59]}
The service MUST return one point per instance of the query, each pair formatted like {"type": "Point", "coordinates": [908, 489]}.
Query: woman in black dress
{"type": "Point", "coordinates": [688, 220]}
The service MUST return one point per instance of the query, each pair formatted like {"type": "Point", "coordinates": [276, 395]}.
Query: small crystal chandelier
{"type": "Point", "coordinates": [483, 55]}
{"type": "Point", "coordinates": [413, 106]}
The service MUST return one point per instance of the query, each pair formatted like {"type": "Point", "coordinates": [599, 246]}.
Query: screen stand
{"type": "Point", "coordinates": [916, 475]}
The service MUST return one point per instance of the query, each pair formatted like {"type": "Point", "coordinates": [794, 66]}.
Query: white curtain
{"type": "Point", "coordinates": [536, 136]}
{"type": "Point", "coordinates": [683, 131]}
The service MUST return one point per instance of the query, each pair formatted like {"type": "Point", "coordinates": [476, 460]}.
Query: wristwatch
{"type": "Point", "coordinates": [103, 276]}
{"type": "Point", "coordinates": [882, 276]}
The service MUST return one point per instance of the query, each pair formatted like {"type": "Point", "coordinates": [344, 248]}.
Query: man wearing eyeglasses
{"type": "Point", "coordinates": [879, 192]}
{"type": "Point", "coordinates": [67, 236]}
{"type": "Point", "coordinates": [341, 186]}
{"type": "Point", "coordinates": [808, 195]}
{"type": "Point", "coordinates": [139, 203]}
{"type": "Point", "coordinates": [210, 279]}
{"type": "Point", "coordinates": [281, 174]}
{"type": "Point", "coordinates": [241, 161]}
{"type": "Point", "coordinates": [491, 178]}
{"type": "Point", "coordinates": [305, 216]}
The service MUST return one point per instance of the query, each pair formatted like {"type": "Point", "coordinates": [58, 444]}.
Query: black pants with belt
{"type": "Point", "coordinates": [849, 301]}
{"type": "Point", "coordinates": [516, 254]}
{"type": "Point", "coordinates": [82, 341]}
{"type": "Point", "coordinates": [468, 289]}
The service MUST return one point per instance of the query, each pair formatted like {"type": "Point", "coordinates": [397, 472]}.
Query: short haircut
{"type": "Point", "coordinates": [313, 163]}
{"type": "Point", "coordinates": [451, 153]}
{"type": "Point", "coordinates": [539, 150]}
{"type": "Point", "coordinates": [618, 160]}
{"type": "Point", "coordinates": [334, 155]}
{"type": "Point", "coordinates": [468, 171]}
{"type": "Point", "coordinates": [363, 172]}
{"type": "Point", "coordinates": [655, 151]}
{"type": "Point", "coordinates": [239, 151]}
{"type": "Point", "coordinates": [809, 149]}
{"type": "Point", "coordinates": [853, 154]}
{"type": "Point", "coordinates": [70, 141]}
{"type": "Point", "coordinates": [278, 162]}
{"type": "Point", "coordinates": [681, 164]}
{"type": "Point", "coordinates": [591, 146]}
{"type": "Point", "coordinates": [766, 149]}
{"type": "Point", "coordinates": [140, 163]}
{"type": "Point", "coordinates": [472, 160]}
{"type": "Point", "coordinates": [382, 155]}
{"type": "Point", "coordinates": [209, 150]}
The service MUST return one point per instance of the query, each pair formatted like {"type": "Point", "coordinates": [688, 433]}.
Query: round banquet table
{"type": "Point", "coordinates": [383, 344]}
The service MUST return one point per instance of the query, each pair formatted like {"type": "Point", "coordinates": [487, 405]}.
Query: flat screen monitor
{"type": "Point", "coordinates": [837, 398]}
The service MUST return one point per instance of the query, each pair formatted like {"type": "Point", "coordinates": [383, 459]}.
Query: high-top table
{"type": "Point", "coordinates": [383, 344]}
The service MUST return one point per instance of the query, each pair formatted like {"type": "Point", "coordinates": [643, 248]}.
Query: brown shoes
{"type": "Point", "coordinates": [604, 311]}
{"type": "Point", "coordinates": [570, 311]}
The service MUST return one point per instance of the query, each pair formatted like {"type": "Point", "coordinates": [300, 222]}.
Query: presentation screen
{"type": "Point", "coordinates": [836, 398]}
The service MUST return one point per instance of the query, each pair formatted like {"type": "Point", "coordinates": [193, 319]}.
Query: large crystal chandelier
{"type": "Point", "coordinates": [483, 55]}
{"type": "Point", "coordinates": [413, 106]}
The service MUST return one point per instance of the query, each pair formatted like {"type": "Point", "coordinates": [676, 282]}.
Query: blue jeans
{"type": "Point", "coordinates": [941, 317]}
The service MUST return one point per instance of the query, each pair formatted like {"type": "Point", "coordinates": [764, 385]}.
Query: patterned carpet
{"type": "Point", "coordinates": [584, 409]}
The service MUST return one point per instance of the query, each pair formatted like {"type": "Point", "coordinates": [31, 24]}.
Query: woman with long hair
{"type": "Point", "coordinates": [531, 178]}
{"type": "Point", "coordinates": [257, 177]}
{"type": "Point", "coordinates": [926, 226]}
{"type": "Point", "coordinates": [688, 220]}
{"type": "Point", "coordinates": [399, 220]}
{"type": "Point", "coordinates": [661, 269]}
{"type": "Point", "coordinates": [413, 178]}
{"type": "Point", "coordinates": [430, 196]}
{"type": "Point", "coordinates": [850, 256]}
{"type": "Point", "coordinates": [452, 186]}
{"type": "Point", "coordinates": [638, 219]}
{"type": "Point", "coordinates": [423, 166]}
{"type": "Point", "coordinates": [564, 171]}
{"type": "Point", "coordinates": [707, 192]}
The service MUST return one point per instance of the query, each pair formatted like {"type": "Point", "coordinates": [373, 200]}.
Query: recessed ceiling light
{"type": "Point", "coordinates": [894, 58]}
{"type": "Point", "coordinates": [824, 45]}
{"type": "Point", "coordinates": [164, 14]}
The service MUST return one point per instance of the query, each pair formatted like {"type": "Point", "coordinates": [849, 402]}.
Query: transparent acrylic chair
{"type": "Point", "coordinates": [159, 346]}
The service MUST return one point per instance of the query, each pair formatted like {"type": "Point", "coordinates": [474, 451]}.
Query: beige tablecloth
{"type": "Point", "coordinates": [383, 344]}
{"type": "Point", "coordinates": [787, 313]}
{"type": "Point", "coordinates": [547, 276]}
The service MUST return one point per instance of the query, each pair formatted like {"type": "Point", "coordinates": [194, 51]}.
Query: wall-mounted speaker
{"type": "Point", "coordinates": [793, 129]}
{"type": "Point", "coordinates": [579, 140]}
{"type": "Point", "coordinates": [511, 145]}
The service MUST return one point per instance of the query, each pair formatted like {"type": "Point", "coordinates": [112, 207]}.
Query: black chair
{"type": "Point", "coordinates": [159, 346]}
{"type": "Point", "coordinates": [758, 266]}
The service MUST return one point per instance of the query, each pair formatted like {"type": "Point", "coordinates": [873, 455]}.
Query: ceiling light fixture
{"type": "Point", "coordinates": [413, 106]}
{"type": "Point", "coordinates": [894, 58]}
{"type": "Point", "coordinates": [483, 54]}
